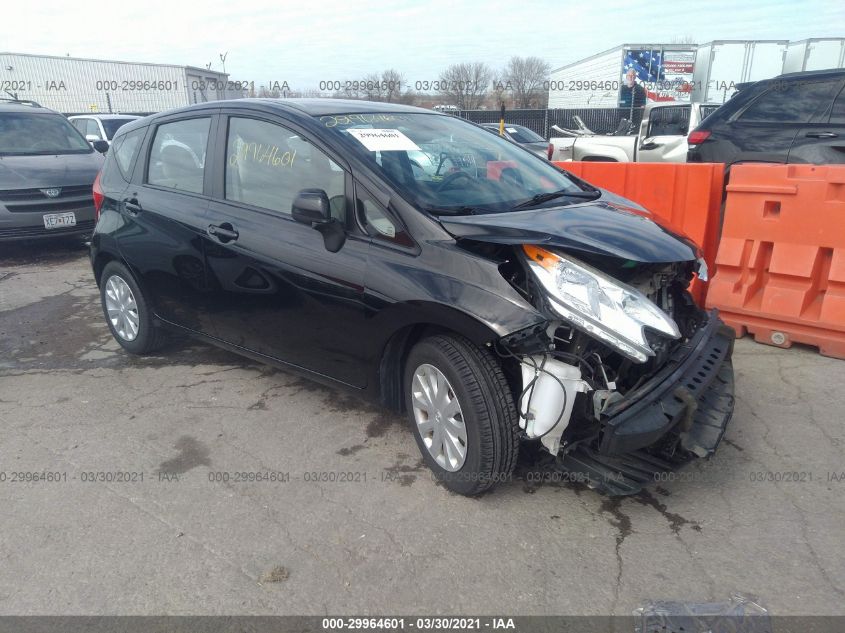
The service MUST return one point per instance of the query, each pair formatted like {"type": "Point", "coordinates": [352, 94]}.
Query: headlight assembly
{"type": "Point", "coordinates": [599, 305]}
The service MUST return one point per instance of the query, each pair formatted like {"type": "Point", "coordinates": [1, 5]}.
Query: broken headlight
{"type": "Point", "coordinates": [599, 305]}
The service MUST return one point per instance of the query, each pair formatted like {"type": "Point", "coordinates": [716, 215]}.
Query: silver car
{"type": "Point", "coordinates": [523, 136]}
{"type": "Point", "coordinates": [47, 172]}
{"type": "Point", "coordinates": [100, 127]}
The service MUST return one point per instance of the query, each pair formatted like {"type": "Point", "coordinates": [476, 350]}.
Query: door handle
{"type": "Point", "coordinates": [132, 206]}
{"type": "Point", "coordinates": [821, 135]}
{"type": "Point", "coordinates": [224, 232]}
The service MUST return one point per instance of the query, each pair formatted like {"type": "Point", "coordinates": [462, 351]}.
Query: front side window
{"type": "Point", "coordinates": [24, 133]}
{"type": "Point", "coordinates": [789, 102]}
{"type": "Point", "coordinates": [267, 165]}
{"type": "Point", "coordinates": [92, 129]}
{"type": "Point", "coordinates": [447, 166]}
{"type": "Point", "coordinates": [177, 155]}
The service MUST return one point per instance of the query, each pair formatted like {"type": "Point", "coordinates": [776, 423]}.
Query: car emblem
{"type": "Point", "coordinates": [52, 193]}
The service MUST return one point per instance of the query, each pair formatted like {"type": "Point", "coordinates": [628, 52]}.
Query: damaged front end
{"type": "Point", "coordinates": [628, 378]}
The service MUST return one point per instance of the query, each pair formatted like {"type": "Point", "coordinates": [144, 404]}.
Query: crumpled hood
{"type": "Point", "coordinates": [53, 170]}
{"type": "Point", "coordinates": [611, 226]}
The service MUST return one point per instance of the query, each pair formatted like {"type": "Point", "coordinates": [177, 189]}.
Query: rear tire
{"type": "Point", "coordinates": [441, 371]}
{"type": "Point", "coordinates": [127, 311]}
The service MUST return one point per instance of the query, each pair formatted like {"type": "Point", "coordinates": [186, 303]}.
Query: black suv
{"type": "Point", "coordinates": [793, 118]}
{"type": "Point", "coordinates": [421, 261]}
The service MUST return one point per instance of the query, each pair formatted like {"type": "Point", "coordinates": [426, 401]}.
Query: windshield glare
{"type": "Point", "coordinates": [24, 133]}
{"type": "Point", "coordinates": [446, 165]}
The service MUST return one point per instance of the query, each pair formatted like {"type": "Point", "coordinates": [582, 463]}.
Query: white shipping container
{"type": "Point", "coordinates": [76, 85]}
{"type": "Point", "coordinates": [721, 65]}
{"type": "Point", "coordinates": [819, 53]}
{"type": "Point", "coordinates": [566, 84]}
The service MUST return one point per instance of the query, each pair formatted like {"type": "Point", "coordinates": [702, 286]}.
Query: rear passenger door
{"type": "Point", "coordinates": [277, 290]}
{"type": "Point", "coordinates": [164, 211]}
{"type": "Point", "coordinates": [823, 141]}
{"type": "Point", "coordinates": [766, 128]}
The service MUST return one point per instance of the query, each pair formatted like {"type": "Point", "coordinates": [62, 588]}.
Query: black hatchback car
{"type": "Point", "coordinates": [793, 118]}
{"type": "Point", "coordinates": [421, 261]}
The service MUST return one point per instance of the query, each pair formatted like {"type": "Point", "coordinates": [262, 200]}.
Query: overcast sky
{"type": "Point", "coordinates": [311, 41]}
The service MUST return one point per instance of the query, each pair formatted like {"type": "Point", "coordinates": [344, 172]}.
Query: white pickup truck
{"type": "Point", "coordinates": [662, 137]}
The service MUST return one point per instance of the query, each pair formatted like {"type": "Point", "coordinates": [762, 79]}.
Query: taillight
{"type": "Point", "coordinates": [550, 151]}
{"type": "Point", "coordinates": [698, 136]}
{"type": "Point", "coordinates": [98, 196]}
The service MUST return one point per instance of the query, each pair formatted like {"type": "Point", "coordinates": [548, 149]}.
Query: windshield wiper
{"type": "Point", "coordinates": [462, 210]}
{"type": "Point", "coordinates": [540, 198]}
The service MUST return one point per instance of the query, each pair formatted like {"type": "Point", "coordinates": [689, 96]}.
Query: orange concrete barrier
{"type": "Point", "coordinates": [687, 197]}
{"type": "Point", "coordinates": [780, 269]}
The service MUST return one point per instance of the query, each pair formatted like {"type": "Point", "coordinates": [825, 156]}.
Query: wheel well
{"type": "Point", "coordinates": [392, 366]}
{"type": "Point", "coordinates": [599, 159]}
{"type": "Point", "coordinates": [100, 263]}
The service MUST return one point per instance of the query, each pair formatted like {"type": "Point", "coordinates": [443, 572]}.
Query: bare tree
{"type": "Point", "coordinates": [466, 84]}
{"type": "Point", "coordinates": [526, 76]}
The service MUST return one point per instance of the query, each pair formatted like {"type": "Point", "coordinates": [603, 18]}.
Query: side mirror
{"type": "Point", "coordinates": [100, 146]}
{"type": "Point", "coordinates": [311, 206]}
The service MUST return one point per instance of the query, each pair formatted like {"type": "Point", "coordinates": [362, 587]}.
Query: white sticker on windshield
{"type": "Point", "coordinates": [511, 130]}
{"type": "Point", "coordinates": [377, 140]}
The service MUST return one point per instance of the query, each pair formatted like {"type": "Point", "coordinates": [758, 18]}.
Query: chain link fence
{"type": "Point", "coordinates": [599, 120]}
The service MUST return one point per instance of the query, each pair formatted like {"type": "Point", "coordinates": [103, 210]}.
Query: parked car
{"type": "Point", "coordinates": [491, 296]}
{"type": "Point", "coordinates": [524, 136]}
{"type": "Point", "coordinates": [100, 127]}
{"type": "Point", "coordinates": [662, 137]}
{"type": "Point", "coordinates": [793, 118]}
{"type": "Point", "coordinates": [47, 169]}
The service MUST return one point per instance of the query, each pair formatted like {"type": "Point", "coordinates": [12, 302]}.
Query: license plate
{"type": "Point", "coordinates": [58, 220]}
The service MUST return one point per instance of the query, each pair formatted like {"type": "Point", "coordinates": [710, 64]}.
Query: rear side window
{"type": "Point", "coordinates": [177, 155]}
{"type": "Point", "coordinates": [267, 165]}
{"type": "Point", "coordinates": [127, 149]}
{"type": "Point", "coordinates": [789, 102]}
{"type": "Point", "coordinates": [669, 121]}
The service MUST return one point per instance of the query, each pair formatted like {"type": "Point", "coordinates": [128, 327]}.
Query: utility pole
{"type": "Point", "coordinates": [223, 57]}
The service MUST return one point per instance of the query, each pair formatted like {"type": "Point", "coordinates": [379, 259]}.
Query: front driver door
{"type": "Point", "coordinates": [277, 290]}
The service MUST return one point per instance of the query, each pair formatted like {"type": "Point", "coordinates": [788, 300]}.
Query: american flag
{"type": "Point", "coordinates": [647, 64]}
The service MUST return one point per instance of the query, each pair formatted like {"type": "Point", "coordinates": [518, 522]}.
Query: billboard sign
{"type": "Point", "coordinates": [655, 75]}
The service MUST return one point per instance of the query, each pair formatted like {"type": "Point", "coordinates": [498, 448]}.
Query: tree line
{"type": "Point", "coordinates": [468, 86]}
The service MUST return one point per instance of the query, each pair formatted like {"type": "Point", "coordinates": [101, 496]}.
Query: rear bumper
{"type": "Point", "coordinates": [693, 397]}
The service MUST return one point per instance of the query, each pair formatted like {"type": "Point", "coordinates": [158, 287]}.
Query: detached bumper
{"type": "Point", "coordinates": [686, 408]}
{"type": "Point", "coordinates": [693, 394]}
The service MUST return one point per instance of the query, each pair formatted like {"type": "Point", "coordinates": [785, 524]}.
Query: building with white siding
{"type": "Point", "coordinates": [75, 85]}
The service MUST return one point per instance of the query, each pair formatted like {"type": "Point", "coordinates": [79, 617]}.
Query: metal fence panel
{"type": "Point", "coordinates": [600, 120]}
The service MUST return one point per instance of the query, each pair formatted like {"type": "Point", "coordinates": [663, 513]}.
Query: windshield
{"type": "Point", "coordinates": [446, 165]}
{"type": "Point", "coordinates": [113, 125]}
{"type": "Point", "coordinates": [523, 134]}
{"type": "Point", "coordinates": [25, 133]}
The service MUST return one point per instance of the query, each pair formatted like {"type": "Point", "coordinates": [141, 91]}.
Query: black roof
{"type": "Point", "coordinates": [309, 107]}
{"type": "Point", "coordinates": [814, 74]}
{"type": "Point", "coordinates": [15, 105]}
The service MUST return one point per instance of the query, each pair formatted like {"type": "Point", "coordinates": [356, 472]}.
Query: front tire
{"type": "Point", "coordinates": [462, 412]}
{"type": "Point", "coordinates": [127, 311]}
